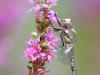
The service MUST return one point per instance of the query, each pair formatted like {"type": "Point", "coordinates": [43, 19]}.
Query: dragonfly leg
{"type": "Point", "coordinates": [62, 40]}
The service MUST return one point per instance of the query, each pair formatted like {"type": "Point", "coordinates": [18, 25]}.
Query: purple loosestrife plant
{"type": "Point", "coordinates": [42, 46]}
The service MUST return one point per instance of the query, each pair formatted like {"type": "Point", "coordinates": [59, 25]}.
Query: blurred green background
{"type": "Point", "coordinates": [85, 15]}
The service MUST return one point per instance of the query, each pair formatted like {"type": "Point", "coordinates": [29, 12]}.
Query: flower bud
{"type": "Point", "coordinates": [34, 35]}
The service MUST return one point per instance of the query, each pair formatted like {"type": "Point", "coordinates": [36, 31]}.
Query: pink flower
{"type": "Point", "coordinates": [49, 58]}
{"type": "Point", "coordinates": [36, 9]}
{"type": "Point", "coordinates": [51, 16]}
{"type": "Point", "coordinates": [51, 39]}
{"type": "Point", "coordinates": [41, 71]}
{"type": "Point", "coordinates": [44, 6]}
{"type": "Point", "coordinates": [31, 41]}
{"type": "Point", "coordinates": [33, 49]}
{"type": "Point", "coordinates": [51, 55]}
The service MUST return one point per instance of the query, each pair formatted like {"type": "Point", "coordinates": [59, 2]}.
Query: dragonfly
{"type": "Point", "coordinates": [68, 40]}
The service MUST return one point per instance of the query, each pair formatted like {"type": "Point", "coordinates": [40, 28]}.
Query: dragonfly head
{"type": "Point", "coordinates": [66, 23]}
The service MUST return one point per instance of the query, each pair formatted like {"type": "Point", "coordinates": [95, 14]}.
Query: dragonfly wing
{"type": "Point", "coordinates": [62, 57]}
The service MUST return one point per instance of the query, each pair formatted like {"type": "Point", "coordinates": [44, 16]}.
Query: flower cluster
{"type": "Point", "coordinates": [36, 48]}
{"type": "Point", "coordinates": [41, 8]}
{"type": "Point", "coordinates": [42, 45]}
